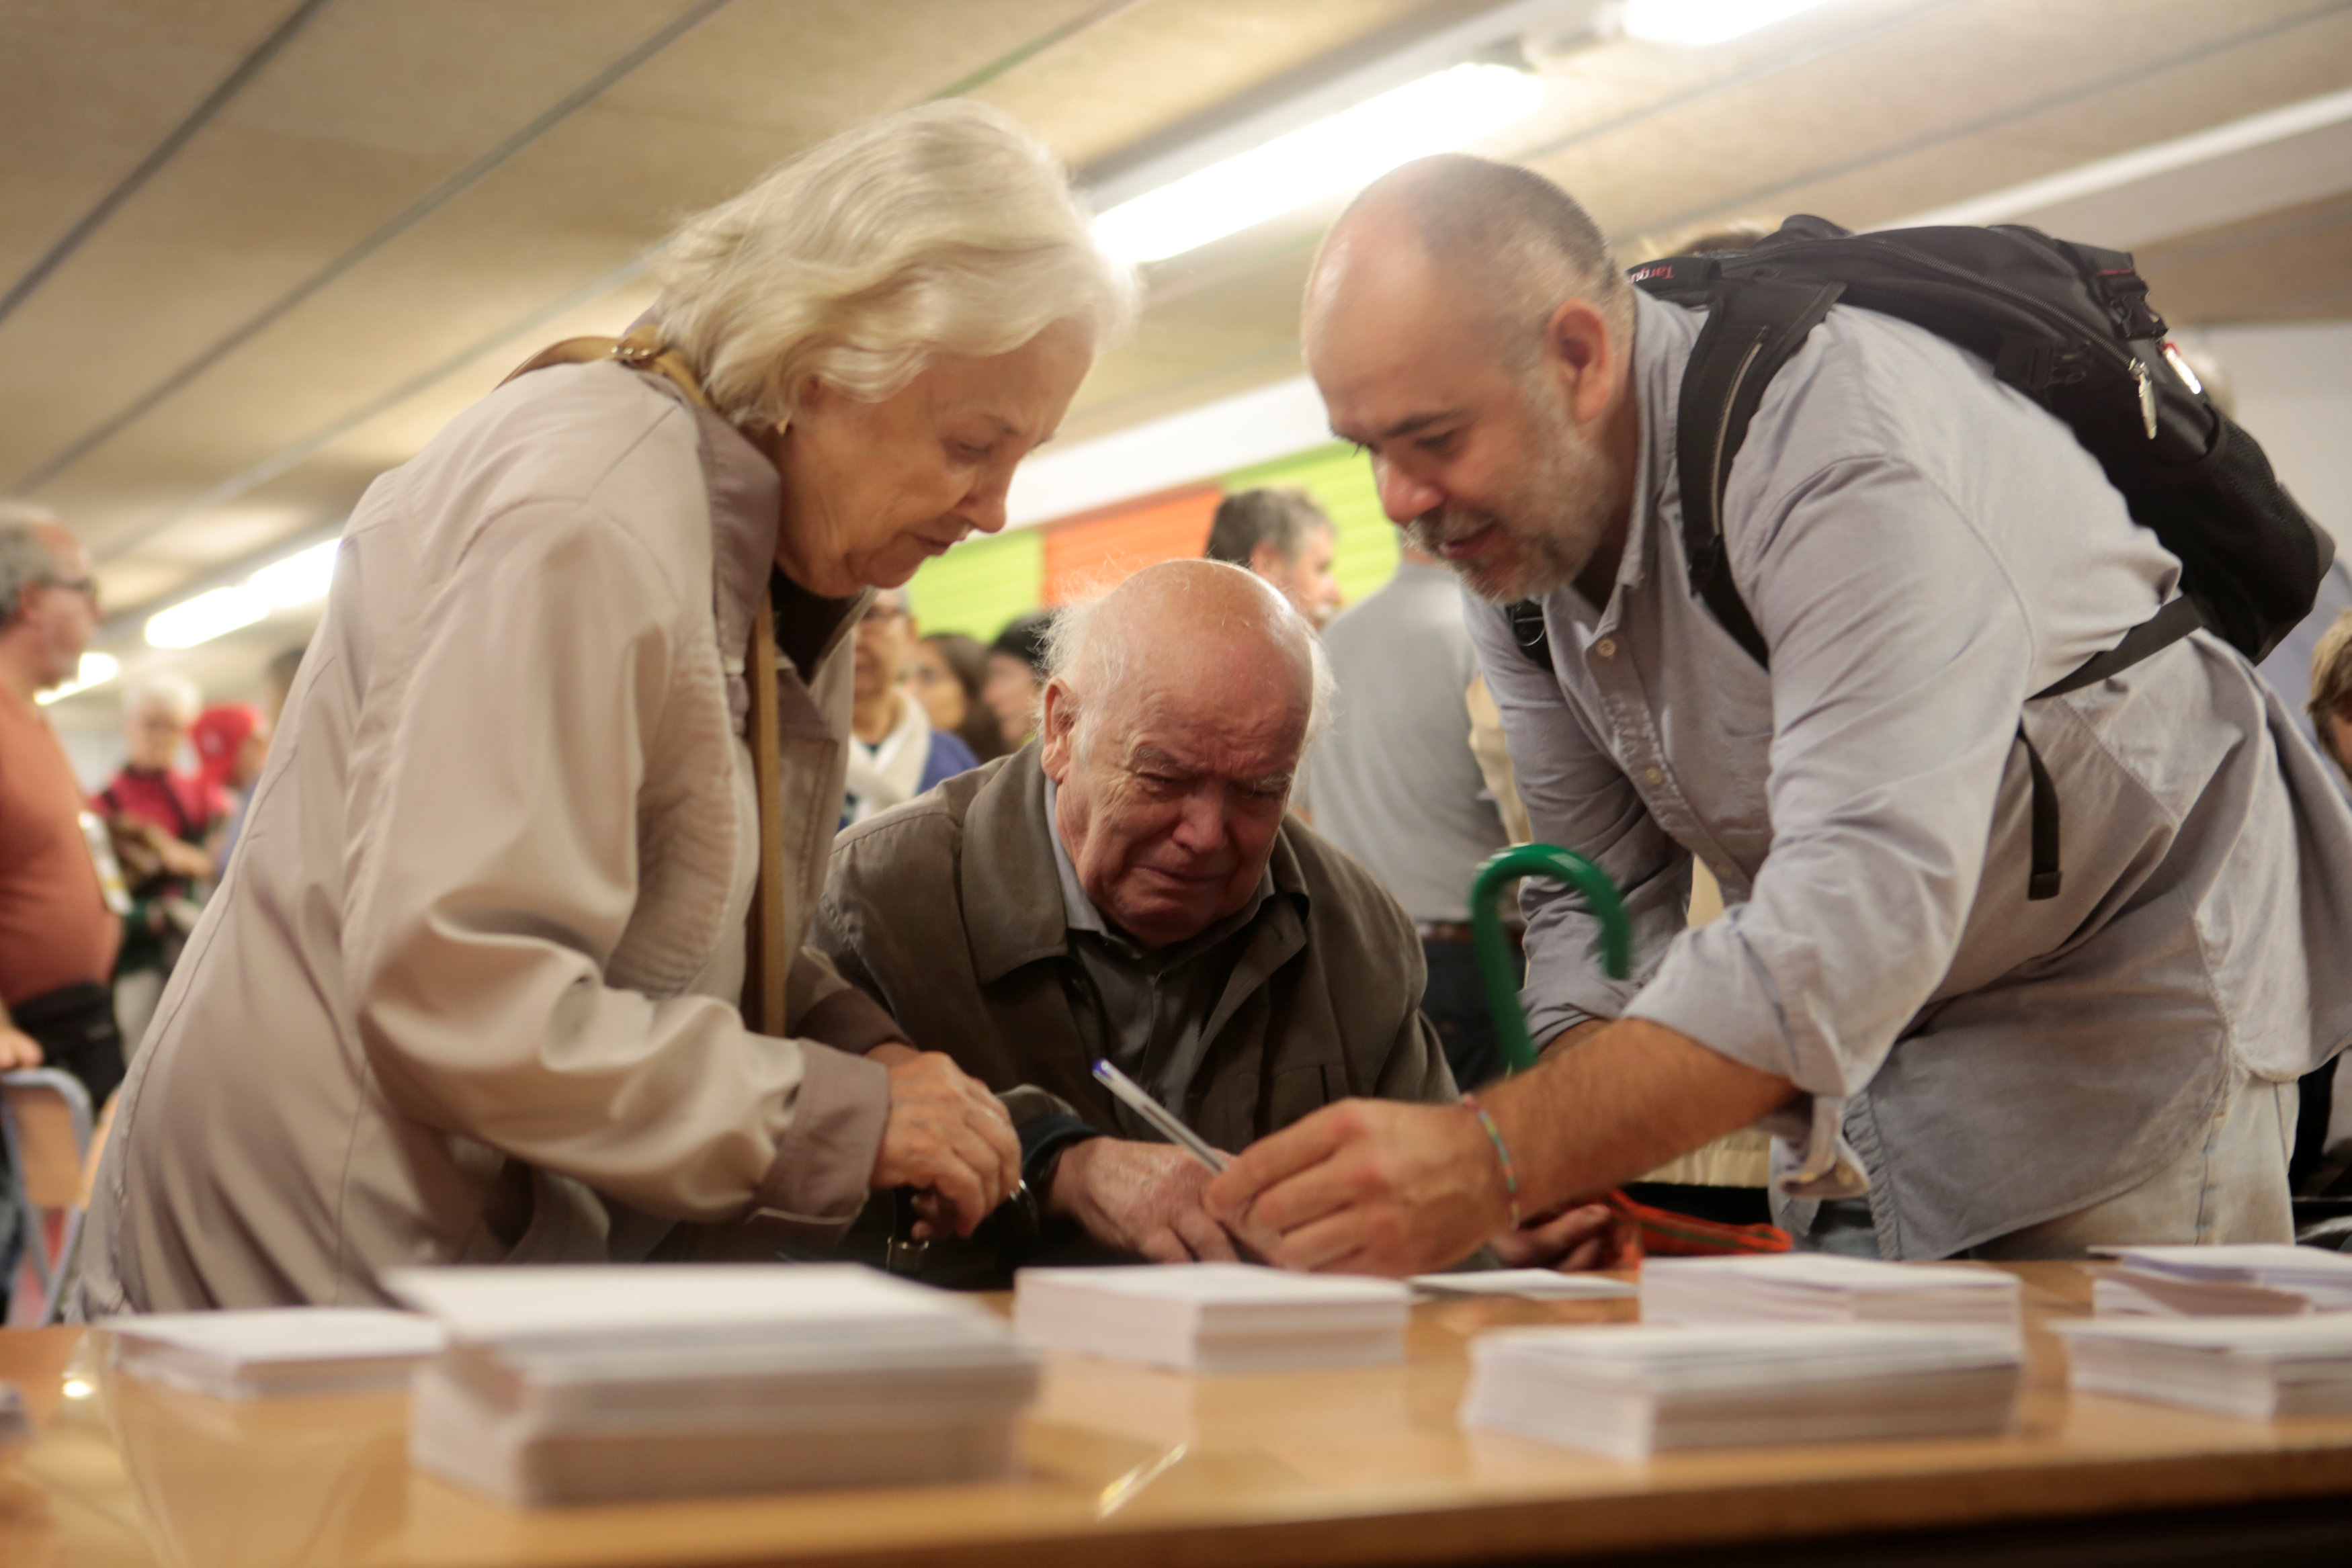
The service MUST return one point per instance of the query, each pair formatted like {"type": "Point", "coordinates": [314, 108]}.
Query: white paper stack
{"type": "Point", "coordinates": [1632, 1391]}
{"type": "Point", "coordinates": [578, 1384]}
{"type": "Point", "coordinates": [1530, 1284]}
{"type": "Point", "coordinates": [1212, 1317]}
{"type": "Point", "coordinates": [1822, 1288]}
{"type": "Point", "coordinates": [2256, 1367]}
{"type": "Point", "coordinates": [276, 1351]}
{"type": "Point", "coordinates": [2252, 1279]}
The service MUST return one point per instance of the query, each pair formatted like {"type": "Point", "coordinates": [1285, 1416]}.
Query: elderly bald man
{"type": "Point", "coordinates": [1130, 887]}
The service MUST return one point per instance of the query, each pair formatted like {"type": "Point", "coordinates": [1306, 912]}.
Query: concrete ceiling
{"type": "Point", "coordinates": [257, 251]}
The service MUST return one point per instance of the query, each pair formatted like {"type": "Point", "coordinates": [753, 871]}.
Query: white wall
{"type": "Point", "coordinates": [2295, 395]}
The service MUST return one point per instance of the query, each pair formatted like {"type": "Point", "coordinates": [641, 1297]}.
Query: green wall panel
{"type": "Point", "coordinates": [1339, 478]}
{"type": "Point", "coordinates": [981, 584]}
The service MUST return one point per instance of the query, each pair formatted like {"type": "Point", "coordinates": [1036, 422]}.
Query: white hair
{"type": "Point", "coordinates": [166, 692]}
{"type": "Point", "coordinates": [26, 558]}
{"type": "Point", "coordinates": [946, 227]}
{"type": "Point", "coordinates": [1085, 649]}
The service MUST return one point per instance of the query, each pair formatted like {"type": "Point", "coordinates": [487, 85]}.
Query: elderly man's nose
{"type": "Point", "coordinates": [1402, 496]}
{"type": "Point", "coordinates": [1201, 828]}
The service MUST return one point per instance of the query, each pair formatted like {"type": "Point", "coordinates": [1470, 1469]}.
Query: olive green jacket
{"type": "Point", "coordinates": [947, 910]}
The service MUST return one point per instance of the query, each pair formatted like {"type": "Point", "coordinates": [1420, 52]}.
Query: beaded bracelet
{"type": "Point", "coordinates": [1502, 1153]}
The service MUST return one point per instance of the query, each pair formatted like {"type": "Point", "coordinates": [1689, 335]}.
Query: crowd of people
{"type": "Point", "coordinates": [630, 877]}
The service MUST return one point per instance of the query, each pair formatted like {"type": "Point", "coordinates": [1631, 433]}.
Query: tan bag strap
{"type": "Point", "coordinates": [766, 964]}
{"type": "Point", "coordinates": [641, 350]}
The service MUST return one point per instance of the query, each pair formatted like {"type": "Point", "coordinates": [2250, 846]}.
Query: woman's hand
{"type": "Point", "coordinates": [949, 1136]}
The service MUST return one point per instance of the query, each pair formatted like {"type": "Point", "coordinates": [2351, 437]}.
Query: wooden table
{"type": "Point", "coordinates": [1127, 1465]}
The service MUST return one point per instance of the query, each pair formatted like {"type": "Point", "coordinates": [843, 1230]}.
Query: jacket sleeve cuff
{"type": "Point", "coordinates": [848, 1021]}
{"type": "Point", "coordinates": [818, 1183]}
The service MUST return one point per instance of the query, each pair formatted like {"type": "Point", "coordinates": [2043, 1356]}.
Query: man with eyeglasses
{"type": "Point", "coordinates": [57, 934]}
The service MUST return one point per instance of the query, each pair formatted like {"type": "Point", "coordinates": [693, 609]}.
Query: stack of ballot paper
{"type": "Point", "coordinates": [276, 1350]}
{"type": "Point", "coordinates": [1212, 1317]}
{"type": "Point", "coordinates": [2254, 1367]}
{"type": "Point", "coordinates": [1632, 1391]}
{"type": "Point", "coordinates": [1531, 1284]}
{"type": "Point", "coordinates": [1821, 1287]}
{"type": "Point", "coordinates": [2246, 1281]}
{"type": "Point", "coordinates": [587, 1384]}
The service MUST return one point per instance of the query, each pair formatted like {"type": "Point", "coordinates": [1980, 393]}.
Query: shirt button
{"type": "Point", "coordinates": [1654, 777]}
{"type": "Point", "coordinates": [1606, 647]}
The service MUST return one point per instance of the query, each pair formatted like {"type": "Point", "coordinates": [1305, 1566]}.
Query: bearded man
{"type": "Point", "coordinates": [1922, 549]}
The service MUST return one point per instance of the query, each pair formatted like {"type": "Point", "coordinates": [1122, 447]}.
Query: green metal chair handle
{"type": "Point", "coordinates": [1494, 966]}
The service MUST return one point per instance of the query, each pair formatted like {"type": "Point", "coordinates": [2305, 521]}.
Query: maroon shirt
{"type": "Point", "coordinates": [55, 927]}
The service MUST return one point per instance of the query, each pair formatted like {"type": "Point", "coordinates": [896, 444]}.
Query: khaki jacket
{"type": "Point", "coordinates": [469, 992]}
{"type": "Point", "coordinates": [949, 910]}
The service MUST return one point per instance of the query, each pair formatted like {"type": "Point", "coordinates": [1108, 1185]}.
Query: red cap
{"type": "Point", "coordinates": [219, 734]}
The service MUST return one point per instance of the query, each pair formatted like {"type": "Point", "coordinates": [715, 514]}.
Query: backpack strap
{"type": "Point", "coordinates": [1753, 326]}
{"type": "Point", "coordinates": [2159, 630]}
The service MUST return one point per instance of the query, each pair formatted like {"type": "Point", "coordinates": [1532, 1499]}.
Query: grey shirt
{"type": "Point", "coordinates": [1392, 781]}
{"type": "Point", "coordinates": [1922, 548]}
{"type": "Point", "coordinates": [1154, 1009]}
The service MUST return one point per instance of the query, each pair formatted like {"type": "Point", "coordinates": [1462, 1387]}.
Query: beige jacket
{"type": "Point", "coordinates": [469, 991]}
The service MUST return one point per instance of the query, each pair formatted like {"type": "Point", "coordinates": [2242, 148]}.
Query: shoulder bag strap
{"type": "Point", "coordinates": [766, 963]}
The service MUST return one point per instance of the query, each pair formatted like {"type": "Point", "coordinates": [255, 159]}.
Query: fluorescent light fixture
{"type": "Point", "coordinates": [1354, 147]}
{"type": "Point", "coordinates": [1696, 23]}
{"type": "Point", "coordinates": [298, 580]}
{"type": "Point", "coordinates": [96, 670]}
{"type": "Point", "coordinates": [206, 617]}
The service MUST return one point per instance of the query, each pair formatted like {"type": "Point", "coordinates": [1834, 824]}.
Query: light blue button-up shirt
{"type": "Point", "coordinates": [1922, 548]}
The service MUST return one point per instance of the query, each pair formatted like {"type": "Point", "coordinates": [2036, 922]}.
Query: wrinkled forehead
{"type": "Point", "coordinates": [1235, 710]}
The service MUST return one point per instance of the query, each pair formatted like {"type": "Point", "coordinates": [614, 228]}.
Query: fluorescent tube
{"type": "Point", "coordinates": [206, 617]}
{"type": "Point", "coordinates": [299, 578]}
{"type": "Point", "coordinates": [1435, 114]}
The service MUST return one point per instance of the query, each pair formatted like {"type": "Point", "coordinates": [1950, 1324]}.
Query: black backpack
{"type": "Point", "coordinates": [2071, 327]}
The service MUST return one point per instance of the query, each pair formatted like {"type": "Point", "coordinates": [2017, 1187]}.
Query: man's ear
{"type": "Point", "coordinates": [1268, 562]}
{"type": "Point", "coordinates": [1056, 727]}
{"type": "Point", "coordinates": [1584, 353]}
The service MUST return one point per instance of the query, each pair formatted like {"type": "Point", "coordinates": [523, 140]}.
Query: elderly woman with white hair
{"type": "Point", "coordinates": [478, 987]}
{"type": "Point", "coordinates": [160, 819]}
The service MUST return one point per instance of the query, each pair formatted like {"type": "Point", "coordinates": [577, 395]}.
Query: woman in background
{"type": "Point", "coordinates": [947, 671]}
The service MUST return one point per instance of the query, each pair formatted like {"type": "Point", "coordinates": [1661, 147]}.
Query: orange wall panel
{"type": "Point", "coordinates": [1097, 549]}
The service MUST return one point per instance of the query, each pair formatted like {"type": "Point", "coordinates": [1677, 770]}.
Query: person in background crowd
{"type": "Point", "coordinates": [2330, 702]}
{"type": "Point", "coordinates": [1394, 783]}
{"type": "Point", "coordinates": [1016, 676]}
{"type": "Point", "coordinates": [1284, 537]}
{"type": "Point", "coordinates": [1133, 888]}
{"type": "Point", "coordinates": [512, 969]}
{"type": "Point", "coordinates": [1998, 1075]}
{"type": "Point", "coordinates": [2323, 1144]}
{"type": "Point", "coordinates": [162, 820]}
{"type": "Point", "coordinates": [898, 754]}
{"type": "Point", "coordinates": [59, 936]}
{"type": "Point", "coordinates": [947, 671]}
{"type": "Point", "coordinates": [232, 742]}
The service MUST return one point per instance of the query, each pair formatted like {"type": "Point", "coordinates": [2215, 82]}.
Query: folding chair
{"type": "Point", "coordinates": [45, 1118]}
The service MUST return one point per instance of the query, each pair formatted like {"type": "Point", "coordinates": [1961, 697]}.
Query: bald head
{"type": "Point", "coordinates": [1176, 710]}
{"type": "Point", "coordinates": [1192, 633]}
{"type": "Point", "coordinates": [1497, 247]}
